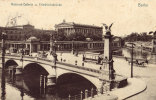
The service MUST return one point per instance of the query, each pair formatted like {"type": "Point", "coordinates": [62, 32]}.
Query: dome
{"type": "Point", "coordinates": [33, 38]}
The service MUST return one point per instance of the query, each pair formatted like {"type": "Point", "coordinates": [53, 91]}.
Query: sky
{"type": "Point", "coordinates": [125, 15]}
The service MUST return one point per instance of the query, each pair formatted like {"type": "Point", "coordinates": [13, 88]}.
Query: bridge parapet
{"type": "Point", "coordinates": [47, 61]}
{"type": "Point", "coordinates": [71, 68]}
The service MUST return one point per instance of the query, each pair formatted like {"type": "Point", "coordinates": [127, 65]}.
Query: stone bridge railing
{"type": "Point", "coordinates": [76, 68]}
{"type": "Point", "coordinates": [50, 62]}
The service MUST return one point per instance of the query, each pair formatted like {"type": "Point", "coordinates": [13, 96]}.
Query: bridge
{"type": "Point", "coordinates": [62, 69]}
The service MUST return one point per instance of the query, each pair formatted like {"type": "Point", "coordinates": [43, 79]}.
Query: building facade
{"type": "Point", "coordinates": [88, 31]}
{"type": "Point", "coordinates": [34, 45]}
{"type": "Point", "coordinates": [20, 33]}
{"type": "Point", "coordinates": [117, 41]}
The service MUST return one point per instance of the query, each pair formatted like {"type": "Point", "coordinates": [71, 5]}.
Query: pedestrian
{"type": "Point", "coordinates": [75, 62]}
{"type": "Point", "coordinates": [146, 61]}
{"type": "Point", "coordinates": [126, 58]}
{"type": "Point", "coordinates": [137, 62]}
{"type": "Point", "coordinates": [98, 61]}
{"type": "Point", "coordinates": [83, 58]}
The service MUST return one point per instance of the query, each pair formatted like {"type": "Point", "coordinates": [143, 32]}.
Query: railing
{"type": "Point", "coordinates": [79, 67]}
{"type": "Point", "coordinates": [58, 62]}
{"type": "Point", "coordinates": [66, 64]}
{"type": "Point", "coordinates": [69, 65]}
{"type": "Point", "coordinates": [89, 93]}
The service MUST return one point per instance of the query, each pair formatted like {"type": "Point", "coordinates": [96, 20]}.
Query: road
{"type": "Point", "coordinates": [147, 74]}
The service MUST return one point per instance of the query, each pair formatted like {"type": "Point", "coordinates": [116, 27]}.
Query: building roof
{"type": "Point", "coordinates": [64, 23]}
{"type": "Point", "coordinates": [33, 38]}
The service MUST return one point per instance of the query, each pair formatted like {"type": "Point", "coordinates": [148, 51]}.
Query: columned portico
{"type": "Point", "coordinates": [34, 44]}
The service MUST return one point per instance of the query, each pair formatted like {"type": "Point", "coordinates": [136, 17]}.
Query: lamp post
{"type": "Point", "coordinates": [3, 85]}
{"type": "Point", "coordinates": [4, 35]}
{"type": "Point", "coordinates": [22, 53]}
{"type": "Point", "coordinates": [132, 59]}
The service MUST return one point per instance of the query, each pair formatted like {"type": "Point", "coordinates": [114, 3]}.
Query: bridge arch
{"type": "Point", "coordinates": [10, 63]}
{"type": "Point", "coordinates": [70, 76]}
{"type": "Point", "coordinates": [48, 69]}
{"type": "Point", "coordinates": [35, 68]}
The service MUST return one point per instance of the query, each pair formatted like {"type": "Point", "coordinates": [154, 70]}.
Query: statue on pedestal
{"type": "Point", "coordinates": [108, 29]}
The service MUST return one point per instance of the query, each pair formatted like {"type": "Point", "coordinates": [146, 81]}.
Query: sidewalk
{"type": "Point", "coordinates": [134, 87]}
{"type": "Point", "coordinates": [70, 59]}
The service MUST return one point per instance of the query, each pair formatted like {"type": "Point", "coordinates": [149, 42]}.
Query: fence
{"type": "Point", "coordinates": [89, 93]}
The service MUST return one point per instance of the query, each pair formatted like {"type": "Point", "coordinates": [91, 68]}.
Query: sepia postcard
{"type": "Point", "coordinates": [77, 50]}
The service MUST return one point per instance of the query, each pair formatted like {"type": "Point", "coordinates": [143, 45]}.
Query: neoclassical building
{"type": "Point", "coordinates": [23, 32]}
{"type": "Point", "coordinates": [88, 31]}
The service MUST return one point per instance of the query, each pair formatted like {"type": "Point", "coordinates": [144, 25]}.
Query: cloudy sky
{"type": "Point", "coordinates": [125, 14]}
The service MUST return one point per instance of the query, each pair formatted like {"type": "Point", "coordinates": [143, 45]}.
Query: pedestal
{"type": "Point", "coordinates": [18, 70]}
{"type": "Point", "coordinates": [51, 80]}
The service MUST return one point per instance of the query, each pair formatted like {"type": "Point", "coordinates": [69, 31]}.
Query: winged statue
{"type": "Point", "coordinates": [106, 27]}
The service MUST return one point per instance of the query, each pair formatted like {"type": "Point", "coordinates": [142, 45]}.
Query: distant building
{"type": "Point", "coordinates": [117, 41]}
{"type": "Point", "coordinates": [19, 33]}
{"type": "Point", "coordinates": [88, 31]}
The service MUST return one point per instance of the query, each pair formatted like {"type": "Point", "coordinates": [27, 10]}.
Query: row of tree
{"type": "Point", "coordinates": [61, 36]}
{"type": "Point", "coordinates": [144, 36]}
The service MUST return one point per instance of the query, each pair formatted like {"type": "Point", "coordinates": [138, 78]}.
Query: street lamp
{"type": "Point", "coordinates": [132, 59]}
{"type": "Point", "coordinates": [4, 36]}
{"type": "Point", "coordinates": [22, 53]}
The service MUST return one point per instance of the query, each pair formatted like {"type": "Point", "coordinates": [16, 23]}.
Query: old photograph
{"type": "Point", "coordinates": [77, 50]}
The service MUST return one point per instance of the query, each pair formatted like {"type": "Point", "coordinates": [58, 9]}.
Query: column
{"type": "Point", "coordinates": [30, 49]}
{"type": "Point", "coordinates": [108, 53]}
{"type": "Point", "coordinates": [107, 59]}
{"type": "Point", "coordinates": [51, 42]}
{"type": "Point", "coordinates": [38, 47]}
{"type": "Point", "coordinates": [26, 45]}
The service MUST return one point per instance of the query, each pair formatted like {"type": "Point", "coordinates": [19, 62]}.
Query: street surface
{"type": "Point", "coordinates": [147, 74]}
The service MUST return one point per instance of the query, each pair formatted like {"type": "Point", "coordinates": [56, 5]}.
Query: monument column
{"type": "Point", "coordinates": [107, 70]}
{"type": "Point", "coordinates": [108, 54]}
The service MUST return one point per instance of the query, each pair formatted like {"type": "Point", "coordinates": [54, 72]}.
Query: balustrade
{"type": "Point", "coordinates": [89, 93]}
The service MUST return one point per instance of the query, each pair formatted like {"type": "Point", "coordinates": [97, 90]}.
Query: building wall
{"type": "Point", "coordinates": [79, 29]}
{"type": "Point", "coordinates": [19, 33]}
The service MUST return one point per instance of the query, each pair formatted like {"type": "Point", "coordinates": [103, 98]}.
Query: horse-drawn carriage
{"type": "Point", "coordinates": [137, 62]}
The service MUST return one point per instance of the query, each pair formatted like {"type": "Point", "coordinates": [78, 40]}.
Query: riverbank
{"type": "Point", "coordinates": [134, 87]}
